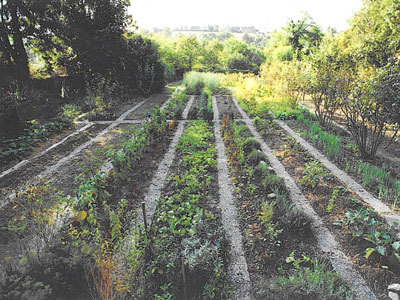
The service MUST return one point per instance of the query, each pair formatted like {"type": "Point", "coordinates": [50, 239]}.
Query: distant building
{"type": "Point", "coordinates": [250, 29]}
{"type": "Point", "coordinates": [235, 29]}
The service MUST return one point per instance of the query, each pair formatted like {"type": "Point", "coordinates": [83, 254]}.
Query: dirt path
{"type": "Point", "coordinates": [327, 242]}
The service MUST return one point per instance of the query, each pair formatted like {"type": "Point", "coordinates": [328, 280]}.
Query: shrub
{"type": "Point", "coordinates": [255, 157]}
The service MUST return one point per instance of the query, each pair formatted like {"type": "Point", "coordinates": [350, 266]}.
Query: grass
{"type": "Point", "coordinates": [196, 82]}
{"type": "Point", "coordinates": [330, 142]}
{"type": "Point", "coordinates": [317, 282]}
{"type": "Point", "coordinates": [389, 187]}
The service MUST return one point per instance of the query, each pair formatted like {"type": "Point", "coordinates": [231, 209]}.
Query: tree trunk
{"type": "Point", "coordinates": [20, 57]}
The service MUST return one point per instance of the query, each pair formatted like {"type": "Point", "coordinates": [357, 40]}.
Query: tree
{"type": "Point", "coordinates": [93, 29]}
{"type": "Point", "coordinates": [375, 31]}
{"type": "Point", "coordinates": [373, 105]}
{"type": "Point", "coordinates": [304, 35]}
{"type": "Point", "coordinates": [18, 23]}
{"type": "Point", "coordinates": [187, 50]}
{"type": "Point", "coordinates": [210, 60]}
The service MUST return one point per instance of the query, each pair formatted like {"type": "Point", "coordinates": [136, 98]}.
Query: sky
{"type": "Point", "coordinates": [267, 15]}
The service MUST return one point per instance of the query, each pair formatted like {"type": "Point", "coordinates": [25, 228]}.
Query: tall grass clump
{"type": "Point", "coordinates": [388, 186]}
{"type": "Point", "coordinates": [196, 82]}
{"type": "Point", "coordinates": [330, 143]}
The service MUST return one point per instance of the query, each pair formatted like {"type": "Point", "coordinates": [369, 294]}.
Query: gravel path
{"type": "Point", "coordinates": [238, 273]}
{"type": "Point", "coordinates": [327, 242]}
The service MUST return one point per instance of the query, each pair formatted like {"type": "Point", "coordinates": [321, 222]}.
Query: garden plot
{"type": "Point", "coordinates": [65, 180]}
{"type": "Point", "coordinates": [274, 137]}
{"type": "Point", "coordinates": [36, 165]}
{"type": "Point", "coordinates": [226, 106]}
{"type": "Point", "coordinates": [143, 111]}
{"type": "Point", "coordinates": [278, 237]}
{"type": "Point", "coordinates": [336, 205]}
{"type": "Point", "coordinates": [201, 107]}
{"type": "Point", "coordinates": [45, 147]}
{"type": "Point", "coordinates": [381, 177]}
{"type": "Point", "coordinates": [347, 181]}
{"type": "Point", "coordinates": [152, 140]}
{"type": "Point", "coordinates": [186, 231]}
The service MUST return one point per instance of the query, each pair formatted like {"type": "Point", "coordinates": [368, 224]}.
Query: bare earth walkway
{"type": "Point", "coordinates": [327, 242]}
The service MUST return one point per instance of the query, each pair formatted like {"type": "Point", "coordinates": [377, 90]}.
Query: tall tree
{"type": "Point", "coordinates": [17, 24]}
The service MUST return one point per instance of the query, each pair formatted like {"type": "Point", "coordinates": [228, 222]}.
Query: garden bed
{"type": "Point", "coordinates": [105, 204]}
{"type": "Point", "coordinates": [279, 241]}
{"type": "Point", "coordinates": [381, 176]}
{"type": "Point", "coordinates": [332, 202]}
{"type": "Point", "coordinates": [186, 228]}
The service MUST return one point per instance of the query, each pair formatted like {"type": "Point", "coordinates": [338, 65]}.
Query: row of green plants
{"type": "Point", "coordinates": [103, 229]}
{"type": "Point", "coordinates": [380, 240]}
{"type": "Point", "coordinates": [177, 103]}
{"type": "Point", "coordinates": [380, 179]}
{"type": "Point", "coordinates": [329, 142]}
{"type": "Point", "coordinates": [187, 250]}
{"type": "Point", "coordinates": [89, 251]}
{"type": "Point", "coordinates": [204, 110]}
{"type": "Point", "coordinates": [269, 220]}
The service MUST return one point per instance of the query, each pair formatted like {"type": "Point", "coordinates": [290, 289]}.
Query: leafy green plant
{"type": "Point", "coordinates": [291, 259]}
{"type": "Point", "coordinates": [334, 196]}
{"type": "Point", "coordinates": [313, 173]}
{"type": "Point", "coordinates": [383, 239]}
{"type": "Point", "coordinates": [267, 212]}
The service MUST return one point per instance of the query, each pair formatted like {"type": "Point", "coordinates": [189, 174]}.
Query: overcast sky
{"type": "Point", "coordinates": [264, 14]}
